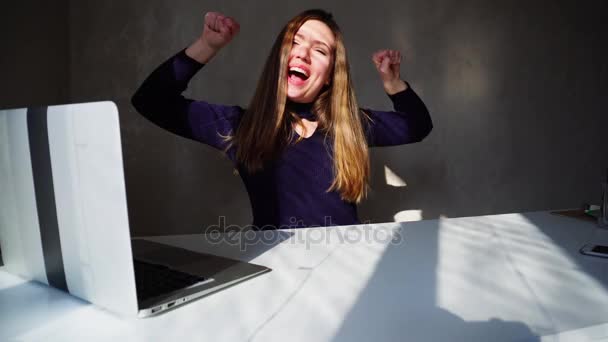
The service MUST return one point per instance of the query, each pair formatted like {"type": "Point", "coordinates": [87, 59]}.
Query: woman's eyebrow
{"type": "Point", "coordinates": [299, 35]}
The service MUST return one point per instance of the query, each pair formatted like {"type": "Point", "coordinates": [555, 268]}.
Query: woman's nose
{"type": "Point", "coordinates": [302, 52]}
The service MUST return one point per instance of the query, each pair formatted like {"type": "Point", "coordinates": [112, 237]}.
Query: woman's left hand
{"type": "Point", "coordinates": [388, 63]}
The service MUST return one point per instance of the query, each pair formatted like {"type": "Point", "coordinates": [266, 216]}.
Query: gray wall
{"type": "Point", "coordinates": [514, 88]}
{"type": "Point", "coordinates": [34, 63]}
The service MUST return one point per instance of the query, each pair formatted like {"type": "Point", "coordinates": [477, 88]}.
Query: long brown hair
{"type": "Point", "coordinates": [266, 125]}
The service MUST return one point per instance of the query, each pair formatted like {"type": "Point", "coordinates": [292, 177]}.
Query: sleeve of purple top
{"type": "Point", "coordinates": [410, 122]}
{"type": "Point", "coordinates": [159, 99]}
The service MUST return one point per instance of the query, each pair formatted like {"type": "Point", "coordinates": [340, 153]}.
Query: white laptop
{"type": "Point", "coordinates": [64, 222]}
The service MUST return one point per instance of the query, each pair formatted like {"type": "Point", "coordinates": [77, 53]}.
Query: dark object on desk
{"type": "Point", "coordinates": [595, 250]}
{"type": "Point", "coordinates": [603, 214]}
{"type": "Point", "coordinates": [600, 249]}
{"type": "Point", "coordinates": [575, 213]}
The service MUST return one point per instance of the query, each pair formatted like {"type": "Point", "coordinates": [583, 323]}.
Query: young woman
{"type": "Point", "coordinates": [302, 145]}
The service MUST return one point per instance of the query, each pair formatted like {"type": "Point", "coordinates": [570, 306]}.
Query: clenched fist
{"type": "Point", "coordinates": [219, 30]}
{"type": "Point", "coordinates": [388, 63]}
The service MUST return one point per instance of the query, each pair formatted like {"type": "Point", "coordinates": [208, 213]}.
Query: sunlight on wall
{"type": "Point", "coordinates": [466, 77]}
{"type": "Point", "coordinates": [392, 179]}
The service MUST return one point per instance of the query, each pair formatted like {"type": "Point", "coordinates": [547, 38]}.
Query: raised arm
{"type": "Point", "coordinates": [160, 99]}
{"type": "Point", "coordinates": [410, 121]}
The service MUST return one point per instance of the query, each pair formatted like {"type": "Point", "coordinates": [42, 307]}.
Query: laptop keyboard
{"type": "Point", "coordinates": [154, 280]}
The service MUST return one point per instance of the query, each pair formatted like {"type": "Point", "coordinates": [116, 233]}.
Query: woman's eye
{"type": "Point", "coordinates": [321, 51]}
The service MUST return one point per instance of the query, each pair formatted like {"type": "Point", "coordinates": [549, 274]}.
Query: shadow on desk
{"type": "Point", "coordinates": [408, 289]}
{"type": "Point", "coordinates": [572, 288]}
{"type": "Point", "coordinates": [408, 298]}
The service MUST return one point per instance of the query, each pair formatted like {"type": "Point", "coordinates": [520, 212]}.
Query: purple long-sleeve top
{"type": "Point", "coordinates": [290, 192]}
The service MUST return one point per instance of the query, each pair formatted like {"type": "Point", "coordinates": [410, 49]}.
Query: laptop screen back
{"type": "Point", "coordinates": [63, 209]}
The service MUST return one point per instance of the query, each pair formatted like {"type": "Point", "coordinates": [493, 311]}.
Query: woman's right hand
{"type": "Point", "coordinates": [219, 30]}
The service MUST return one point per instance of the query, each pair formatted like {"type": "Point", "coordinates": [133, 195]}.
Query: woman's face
{"type": "Point", "coordinates": [313, 54]}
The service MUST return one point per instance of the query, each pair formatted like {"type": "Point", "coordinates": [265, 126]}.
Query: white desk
{"type": "Point", "coordinates": [513, 277]}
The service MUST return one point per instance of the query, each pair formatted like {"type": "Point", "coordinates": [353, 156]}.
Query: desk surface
{"type": "Point", "coordinates": [512, 277]}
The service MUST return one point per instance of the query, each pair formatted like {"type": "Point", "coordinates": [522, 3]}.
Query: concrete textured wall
{"type": "Point", "coordinates": [515, 90]}
{"type": "Point", "coordinates": [34, 62]}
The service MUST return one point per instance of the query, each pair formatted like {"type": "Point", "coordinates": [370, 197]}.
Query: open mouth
{"type": "Point", "coordinates": [297, 77]}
